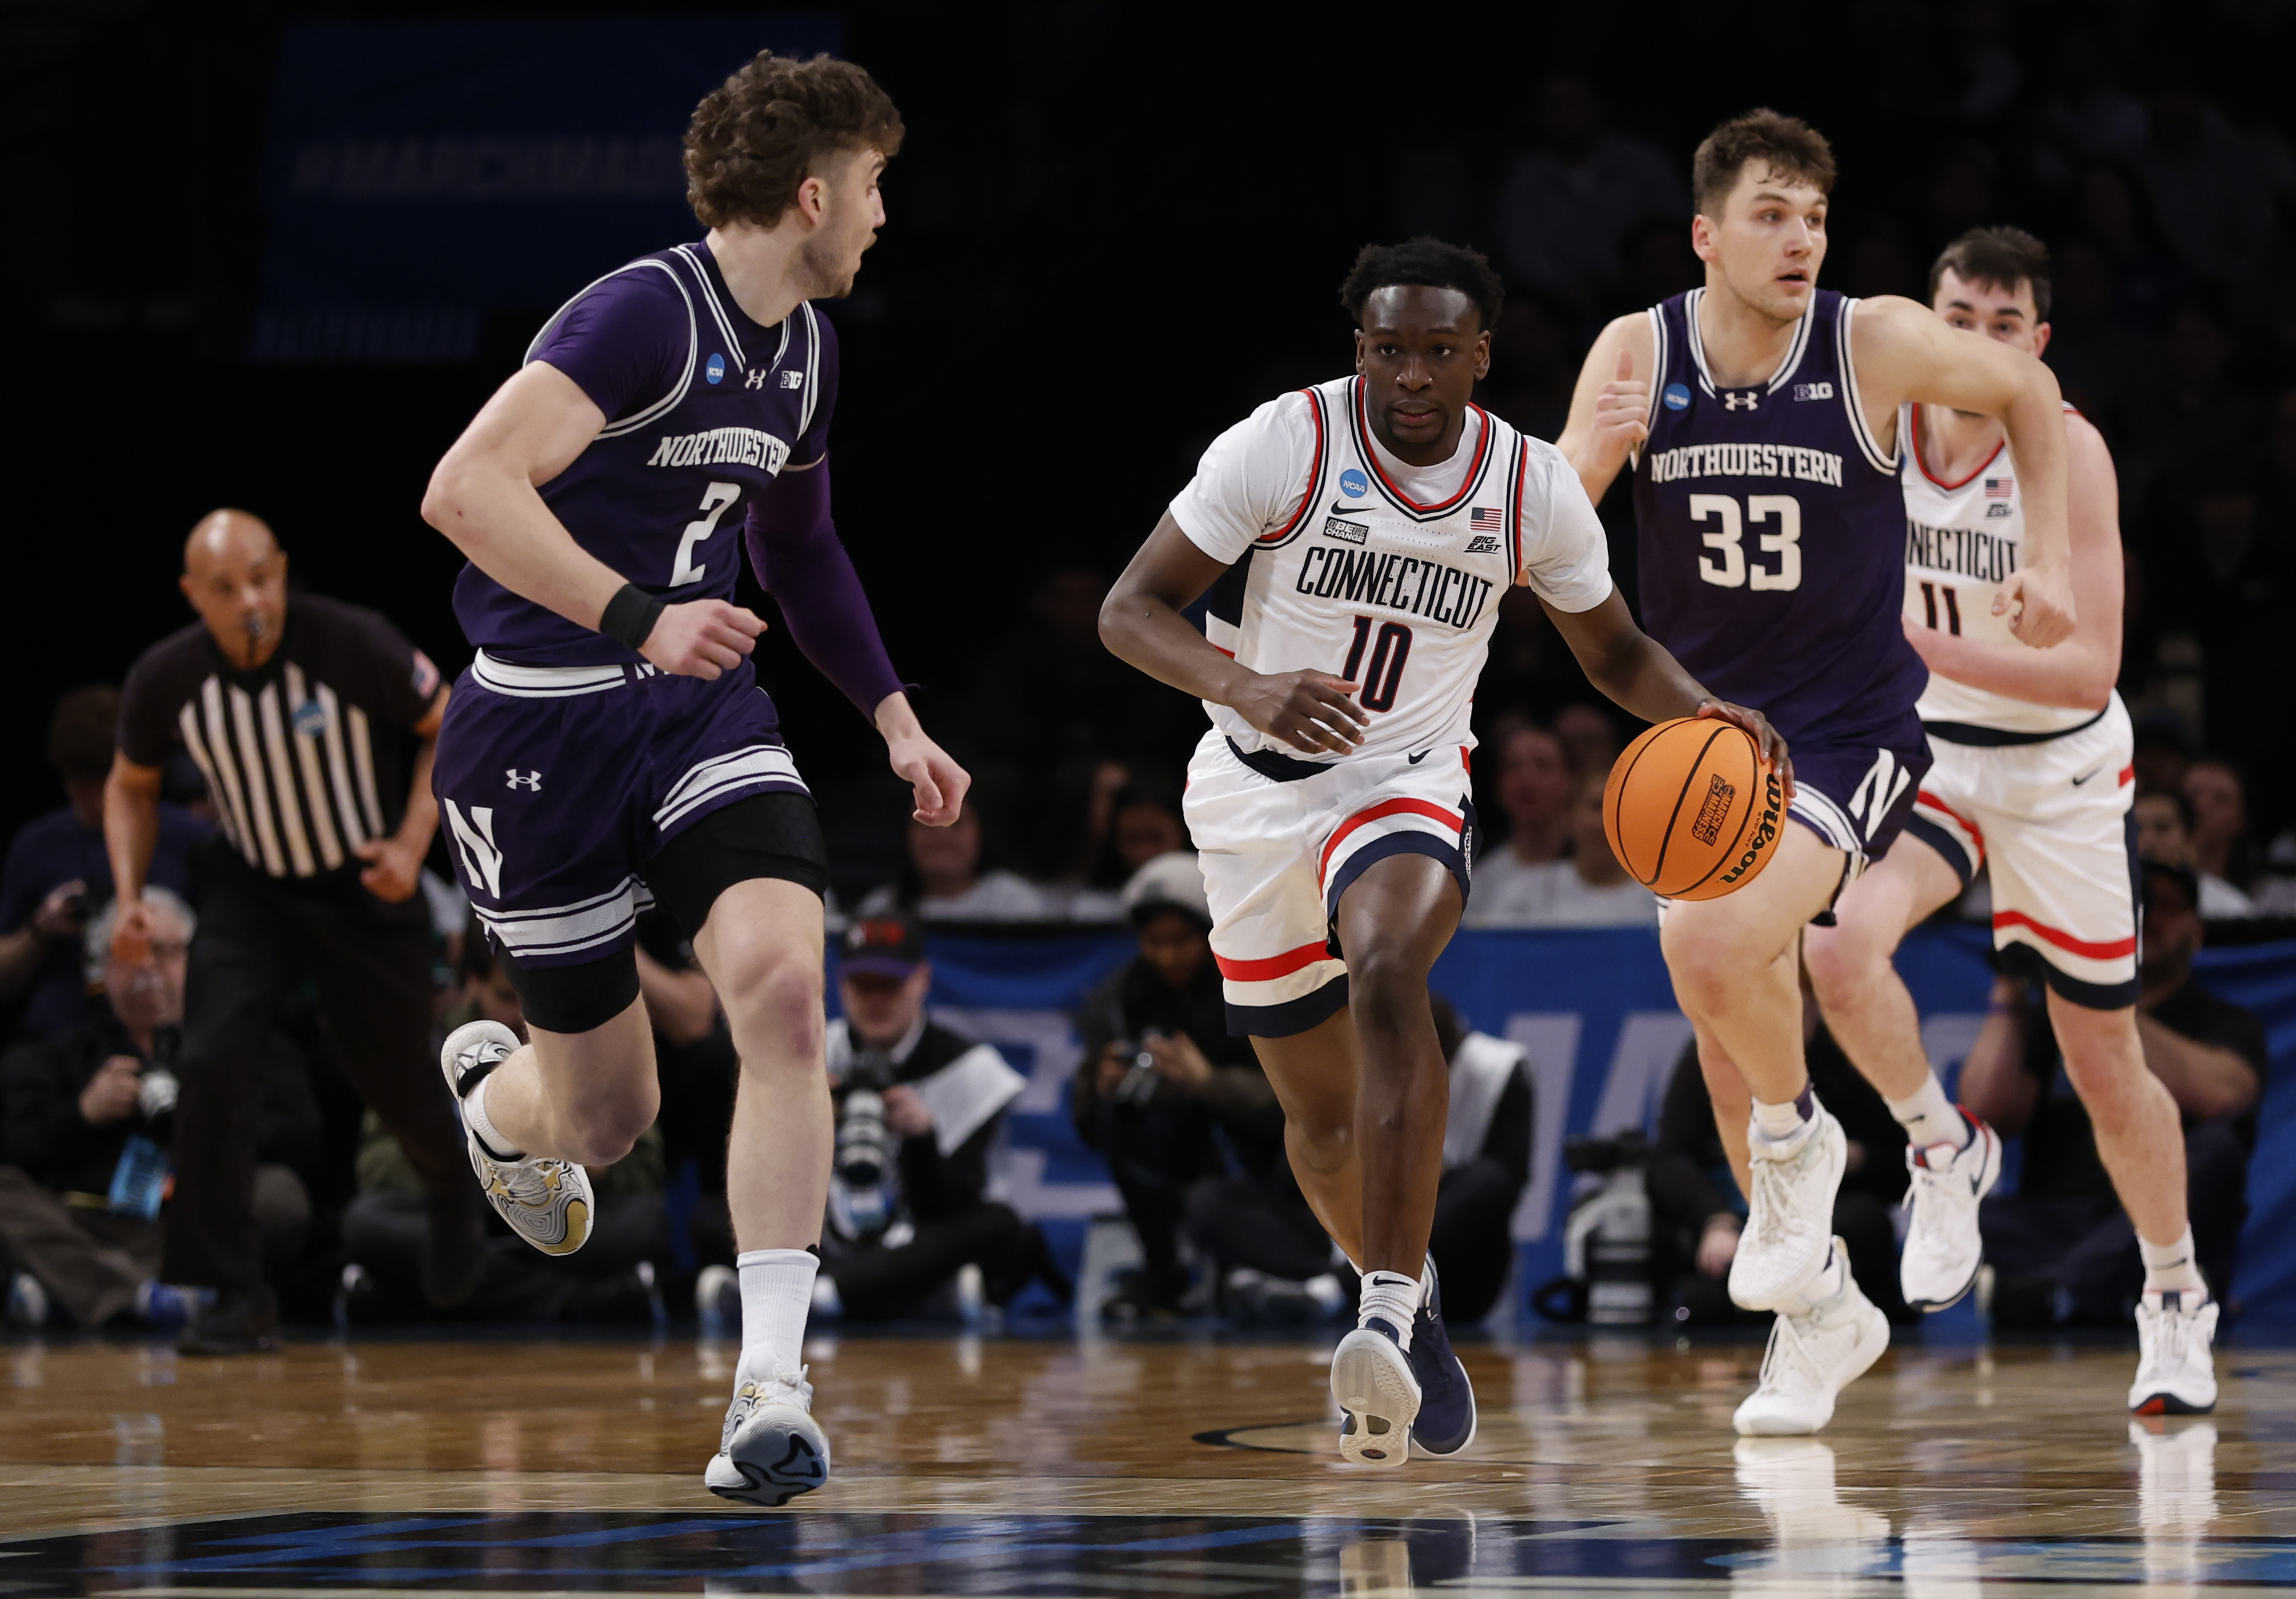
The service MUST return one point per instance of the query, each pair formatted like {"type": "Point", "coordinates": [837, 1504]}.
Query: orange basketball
{"type": "Point", "coordinates": [1693, 810]}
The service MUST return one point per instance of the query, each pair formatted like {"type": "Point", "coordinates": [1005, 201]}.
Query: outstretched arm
{"type": "Point", "coordinates": [1640, 674]}
{"type": "Point", "coordinates": [485, 495]}
{"type": "Point", "coordinates": [2080, 672]}
{"type": "Point", "coordinates": [1905, 352]}
{"type": "Point", "coordinates": [1141, 623]}
{"type": "Point", "coordinates": [795, 551]}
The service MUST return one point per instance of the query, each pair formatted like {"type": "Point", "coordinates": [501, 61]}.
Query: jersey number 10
{"type": "Point", "coordinates": [1727, 566]}
{"type": "Point", "coordinates": [1387, 658]}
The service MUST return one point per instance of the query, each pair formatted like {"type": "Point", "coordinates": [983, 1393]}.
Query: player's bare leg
{"type": "Point", "coordinates": [1396, 1373]}
{"type": "Point", "coordinates": [761, 948]}
{"type": "Point", "coordinates": [534, 1114]}
{"type": "Point", "coordinates": [1315, 1074]}
{"type": "Point", "coordinates": [1954, 1159]}
{"type": "Point", "coordinates": [1733, 1103]}
{"type": "Point", "coordinates": [1736, 966]}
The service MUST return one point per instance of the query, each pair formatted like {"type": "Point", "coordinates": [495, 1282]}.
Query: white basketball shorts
{"type": "Point", "coordinates": [1282, 838]}
{"type": "Point", "coordinates": [2051, 822]}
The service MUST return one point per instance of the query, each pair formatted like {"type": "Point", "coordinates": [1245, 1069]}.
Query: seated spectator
{"type": "Point", "coordinates": [2164, 832]}
{"type": "Point", "coordinates": [1146, 824]}
{"type": "Point", "coordinates": [610, 1279]}
{"type": "Point", "coordinates": [58, 874]}
{"type": "Point", "coordinates": [87, 1115]}
{"type": "Point", "coordinates": [2062, 1248]}
{"type": "Point", "coordinates": [1166, 1094]}
{"type": "Point", "coordinates": [1535, 785]}
{"type": "Point", "coordinates": [2221, 845]}
{"type": "Point", "coordinates": [1695, 1217]}
{"type": "Point", "coordinates": [946, 880]}
{"type": "Point", "coordinates": [1277, 1264]}
{"type": "Point", "coordinates": [1590, 889]}
{"type": "Point", "coordinates": [911, 1231]}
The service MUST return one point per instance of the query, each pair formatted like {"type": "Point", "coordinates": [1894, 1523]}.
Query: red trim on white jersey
{"type": "Point", "coordinates": [1921, 462]}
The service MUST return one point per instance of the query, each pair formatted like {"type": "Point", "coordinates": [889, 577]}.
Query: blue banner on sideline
{"type": "Point", "coordinates": [1596, 1014]}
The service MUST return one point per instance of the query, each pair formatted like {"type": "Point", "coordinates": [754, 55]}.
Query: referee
{"type": "Point", "coordinates": [298, 718]}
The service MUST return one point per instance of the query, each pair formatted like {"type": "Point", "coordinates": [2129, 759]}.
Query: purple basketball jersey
{"type": "Point", "coordinates": [703, 409]}
{"type": "Point", "coordinates": [1772, 533]}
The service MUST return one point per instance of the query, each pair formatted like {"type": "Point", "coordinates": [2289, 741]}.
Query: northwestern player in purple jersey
{"type": "Point", "coordinates": [1760, 412]}
{"type": "Point", "coordinates": [610, 748]}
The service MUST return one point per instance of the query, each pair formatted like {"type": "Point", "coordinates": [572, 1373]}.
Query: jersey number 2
{"type": "Point", "coordinates": [1727, 566]}
{"type": "Point", "coordinates": [1387, 658]}
{"type": "Point", "coordinates": [714, 501]}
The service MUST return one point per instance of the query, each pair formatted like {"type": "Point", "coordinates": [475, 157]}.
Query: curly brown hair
{"type": "Point", "coordinates": [1788, 145]}
{"type": "Point", "coordinates": [765, 130]}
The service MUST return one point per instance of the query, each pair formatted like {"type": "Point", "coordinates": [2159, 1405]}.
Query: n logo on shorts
{"type": "Point", "coordinates": [1876, 791]}
{"type": "Point", "coordinates": [482, 862]}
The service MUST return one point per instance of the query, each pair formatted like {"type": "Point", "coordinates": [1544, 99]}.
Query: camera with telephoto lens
{"type": "Point", "coordinates": [863, 1194]}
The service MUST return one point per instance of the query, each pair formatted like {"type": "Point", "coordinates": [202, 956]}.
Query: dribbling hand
{"type": "Point", "coordinates": [701, 638]}
{"type": "Point", "coordinates": [1621, 415]}
{"type": "Point", "coordinates": [1313, 711]}
{"type": "Point", "coordinates": [1766, 737]}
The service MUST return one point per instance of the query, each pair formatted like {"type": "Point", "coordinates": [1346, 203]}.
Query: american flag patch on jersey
{"type": "Point", "coordinates": [1483, 520]}
{"type": "Point", "coordinates": [1997, 489]}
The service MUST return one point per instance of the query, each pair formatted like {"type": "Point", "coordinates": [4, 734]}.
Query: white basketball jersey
{"type": "Point", "coordinates": [1962, 540]}
{"type": "Point", "coordinates": [1397, 595]}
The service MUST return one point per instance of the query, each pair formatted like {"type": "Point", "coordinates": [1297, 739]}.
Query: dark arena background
{"type": "Point", "coordinates": [274, 257]}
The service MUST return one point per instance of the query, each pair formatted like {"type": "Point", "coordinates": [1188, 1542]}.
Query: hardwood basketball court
{"type": "Point", "coordinates": [972, 1466]}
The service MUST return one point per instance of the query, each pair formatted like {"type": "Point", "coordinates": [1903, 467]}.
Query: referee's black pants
{"type": "Point", "coordinates": [371, 963]}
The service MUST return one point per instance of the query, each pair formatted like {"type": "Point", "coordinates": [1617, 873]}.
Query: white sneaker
{"type": "Point", "coordinates": [1378, 1397]}
{"type": "Point", "coordinates": [772, 1449]}
{"type": "Point", "coordinates": [546, 1202]}
{"type": "Point", "coordinates": [1791, 1216]}
{"type": "Point", "coordinates": [2175, 1374]}
{"type": "Point", "coordinates": [1942, 1248]}
{"type": "Point", "coordinates": [1814, 1354]}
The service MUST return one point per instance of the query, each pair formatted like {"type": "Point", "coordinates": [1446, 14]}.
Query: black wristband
{"type": "Point", "coordinates": [630, 616]}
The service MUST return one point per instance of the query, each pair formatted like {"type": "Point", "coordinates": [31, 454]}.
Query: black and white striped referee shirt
{"type": "Point", "coordinates": [304, 756]}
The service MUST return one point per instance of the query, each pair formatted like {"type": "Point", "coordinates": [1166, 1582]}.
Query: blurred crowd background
{"type": "Point", "coordinates": [1113, 230]}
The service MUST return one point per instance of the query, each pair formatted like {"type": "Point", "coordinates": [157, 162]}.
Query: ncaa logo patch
{"type": "Point", "coordinates": [1353, 484]}
{"type": "Point", "coordinates": [310, 719]}
{"type": "Point", "coordinates": [715, 370]}
{"type": "Point", "coordinates": [1677, 397]}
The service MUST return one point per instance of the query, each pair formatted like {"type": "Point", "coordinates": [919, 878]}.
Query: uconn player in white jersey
{"type": "Point", "coordinates": [2031, 782]}
{"type": "Point", "coordinates": [612, 746]}
{"type": "Point", "coordinates": [1760, 413]}
{"type": "Point", "coordinates": [1356, 539]}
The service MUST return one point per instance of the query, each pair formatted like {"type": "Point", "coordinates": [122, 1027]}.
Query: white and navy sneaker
{"type": "Point", "coordinates": [772, 1449]}
{"type": "Point", "coordinates": [1790, 1218]}
{"type": "Point", "coordinates": [1446, 1422]}
{"type": "Point", "coordinates": [1814, 1354]}
{"type": "Point", "coordinates": [1943, 1250]}
{"type": "Point", "coordinates": [2175, 1373]}
{"type": "Point", "coordinates": [546, 1202]}
{"type": "Point", "coordinates": [1377, 1396]}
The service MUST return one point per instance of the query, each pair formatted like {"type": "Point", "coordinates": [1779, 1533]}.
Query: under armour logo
{"type": "Point", "coordinates": [529, 781]}
{"type": "Point", "coordinates": [1745, 399]}
{"type": "Point", "coordinates": [757, 378]}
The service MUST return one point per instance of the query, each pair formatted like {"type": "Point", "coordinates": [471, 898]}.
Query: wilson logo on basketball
{"type": "Point", "coordinates": [1706, 826]}
{"type": "Point", "coordinates": [1766, 832]}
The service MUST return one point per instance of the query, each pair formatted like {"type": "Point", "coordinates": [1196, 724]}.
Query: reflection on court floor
{"type": "Point", "coordinates": [1120, 1467]}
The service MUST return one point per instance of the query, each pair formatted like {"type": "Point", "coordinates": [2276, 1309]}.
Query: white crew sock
{"type": "Point", "coordinates": [1786, 1123]}
{"type": "Point", "coordinates": [2171, 1267]}
{"type": "Point", "coordinates": [475, 1117]}
{"type": "Point", "coordinates": [1826, 1284]}
{"type": "Point", "coordinates": [1929, 1117]}
{"type": "Point", "coordinates": [1392, 1296]}
{"type": "Point", "coordinates": [776, 1292]}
